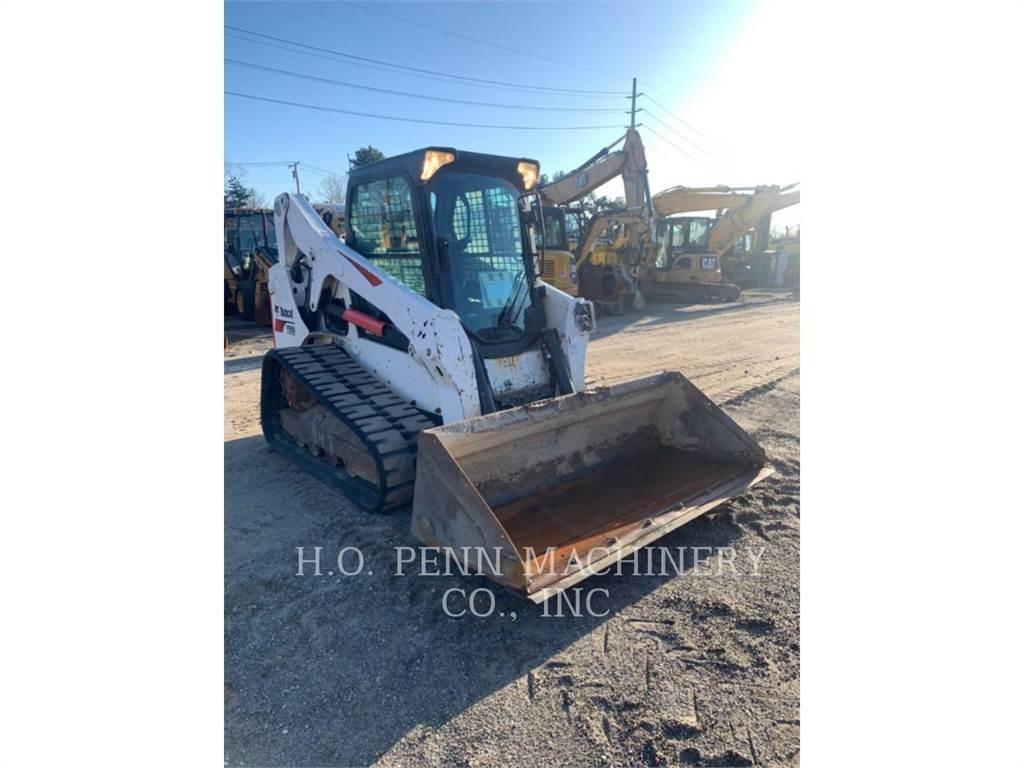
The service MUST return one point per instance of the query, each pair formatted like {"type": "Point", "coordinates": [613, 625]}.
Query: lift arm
{"type": "Point", "coordinates": [316, 264]}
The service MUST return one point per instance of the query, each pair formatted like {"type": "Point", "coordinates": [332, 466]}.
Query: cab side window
{"type": "Point", "coordinates": [383, 229]}
{"type": "Point", "coordinates": [699, 233]}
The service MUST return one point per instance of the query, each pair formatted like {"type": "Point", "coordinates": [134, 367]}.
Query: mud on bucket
{"type": "Point", "coordinates": [541, 496]}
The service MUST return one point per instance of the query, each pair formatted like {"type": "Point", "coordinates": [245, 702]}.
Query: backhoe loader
{"type": "Point", "coordinates": [249, 251]}
{"type": "Point", "coordinates": [425, 360]}
{"type": "Point", "coordinates": [687, 265]}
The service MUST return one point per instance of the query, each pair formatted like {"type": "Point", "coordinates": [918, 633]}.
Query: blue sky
{"type": "Point", "coordinates": [677, 50]}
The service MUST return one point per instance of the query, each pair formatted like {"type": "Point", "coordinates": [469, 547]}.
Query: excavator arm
{"type": "Point", "coordinates": [630, 162]}
{"type": "Point", "coordinates": [743, 206]}
{"type": "Point", "coordinates": [735, 222]}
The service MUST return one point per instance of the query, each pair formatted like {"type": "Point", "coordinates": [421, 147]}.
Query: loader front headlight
{"type": "Point", "coordinates": [530, 172]}
{"type": "Point", "coordinates": [434, 159]}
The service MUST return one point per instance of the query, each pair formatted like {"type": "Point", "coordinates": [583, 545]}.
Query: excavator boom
{"type": "Point", "coordinates": [630, 162]}
{"type": "Point", "coordinates": [611, 285]}
{"type": "Point", "coordinates": [732, 225]}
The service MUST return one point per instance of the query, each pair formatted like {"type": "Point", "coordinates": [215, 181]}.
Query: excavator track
{"type": "Point", "coordinates": [694, 292]}
{"type": "Point", "coordinates": [325, 412]}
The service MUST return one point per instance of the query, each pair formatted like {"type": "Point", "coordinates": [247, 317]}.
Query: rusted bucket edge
{"type": "Point", "coordinates": [645, 536]}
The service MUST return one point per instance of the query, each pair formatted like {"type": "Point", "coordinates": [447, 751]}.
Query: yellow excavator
{"type": "Point", "coordinates": [607, 270]}
{"type": "Point", "coordinates": [687, 260]}
{"type": "Point", "coordinates": [558, 267]}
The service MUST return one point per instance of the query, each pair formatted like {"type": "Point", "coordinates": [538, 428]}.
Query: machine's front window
{"type": "Point", "coordinates": [476, 219]}
{"type": "Point", "coordinates": [250, 234]}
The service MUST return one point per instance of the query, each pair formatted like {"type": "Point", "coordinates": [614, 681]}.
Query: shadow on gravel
{"type": "Point", "coordinates": [241, 330]}
{"type": "Point", "coordinates": [660, 313]}
{"type": "Point", "coordinates": [242, 364]}
{"type": "Point", "coordinates": [331, 670]}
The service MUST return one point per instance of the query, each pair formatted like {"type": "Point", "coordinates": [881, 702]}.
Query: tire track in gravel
{"type": "Point", "coordinates": [725, 355]}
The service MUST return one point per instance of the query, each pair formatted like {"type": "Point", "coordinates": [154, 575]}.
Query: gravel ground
{"type": "Point", "coordinates": [695, 667]}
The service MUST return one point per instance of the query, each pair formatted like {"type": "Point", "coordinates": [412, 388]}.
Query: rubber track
{"type": "Point", "coordinates": [387, 425]}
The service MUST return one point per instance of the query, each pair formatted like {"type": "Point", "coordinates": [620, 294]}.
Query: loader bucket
{"type": "Point", "coordinates": [541, 496]}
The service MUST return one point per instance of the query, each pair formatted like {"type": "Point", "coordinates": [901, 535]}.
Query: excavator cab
{"type": "Point", "coordinates": [559, 267]}
{"type": "Point", "coordinates": [684, 267]}
{"type": "Point", "coordinates": [683, 249]}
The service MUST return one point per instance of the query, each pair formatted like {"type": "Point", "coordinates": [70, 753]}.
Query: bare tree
{"type": "Point", "coordinates": [332, 189]}
{"type": "Point", "coordinates": [257, 198]}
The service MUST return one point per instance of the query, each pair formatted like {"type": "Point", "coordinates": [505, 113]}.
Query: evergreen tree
{"type": "Point", "coordinates": [236, 194]}
{"type": "Point", "coordinates": [365, 156]}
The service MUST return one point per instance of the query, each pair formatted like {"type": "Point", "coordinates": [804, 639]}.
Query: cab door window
{"type": "Point", "coordinates": [383, 229]}
{"type": "Point", "coordinates": [698, 235]}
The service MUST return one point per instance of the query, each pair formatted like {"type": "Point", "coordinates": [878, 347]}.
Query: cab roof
{"type": "Point", "coordinates": [411, 163]}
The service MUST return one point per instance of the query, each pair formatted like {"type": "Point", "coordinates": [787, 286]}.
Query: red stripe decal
{"type": "Point", "coordinates": [371, 278]}
{"type": "Point", "coordinates": [278, 325]}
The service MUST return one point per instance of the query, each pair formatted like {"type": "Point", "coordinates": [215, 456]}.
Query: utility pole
{"type": "Point", "coordinates": [295, 174]}
{"type": "Point", "coordinates": [632, 110]}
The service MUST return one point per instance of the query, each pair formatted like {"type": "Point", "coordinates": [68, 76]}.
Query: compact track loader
{"type": "Point", "coordinates": [425, 360]}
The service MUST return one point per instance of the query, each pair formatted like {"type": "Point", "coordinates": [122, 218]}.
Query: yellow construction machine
{"type": "Point", "coordinates": [687, 261]}
{"type": "Point", "coordinates": [607, 274]}
{"type": "Point", "coordinates": [250, 249]}
{"type": "Point", "coordinates": [424, 360]}
{"type": "Point", "coordinates": [333, 215]}
{"type": "Point", "coordinates": [559, 262]}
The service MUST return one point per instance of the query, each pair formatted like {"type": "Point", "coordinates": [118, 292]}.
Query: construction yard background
{"type": "Point", "coordinates": [699, 668]}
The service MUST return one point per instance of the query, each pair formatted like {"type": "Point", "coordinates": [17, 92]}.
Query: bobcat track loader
{"type": "Point", "coordinates": [424, 360]}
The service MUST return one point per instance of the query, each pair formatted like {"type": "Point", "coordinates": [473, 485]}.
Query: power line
{"type": "Point", "coordinates": [308, 169]}
{"type": "Point", "coordinates": [336, 60]}
{"type": "Point", "coordinates": [319, 170]}
{"type": "Point", "coordinates": [429, 122]}
{"type": "Point", "coordinates": [484, 42]}
{"type": "Point", "coordinates": [414, 95]}
{"type": "Point", "coordinates": [261, 164]}
{"type": "Point", "coordinates": [531, 55]}
{"type": "Point", "coordinates": [425, 71]}
{"type": "Point", "coordinates": [665, 109]}
{"type": "Point", "coordinates": [689, 141]}
{"type": "Point", "coordinates": [315, 169]}
{"type": "Point", "coordinates": [677, 148]}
